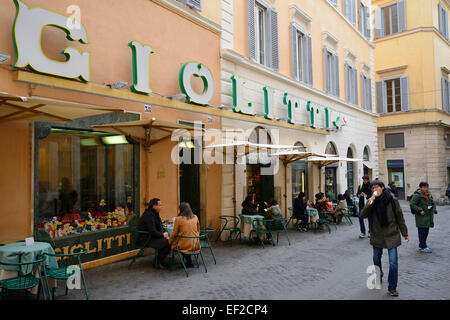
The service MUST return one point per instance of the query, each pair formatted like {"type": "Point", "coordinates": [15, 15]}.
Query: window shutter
{"type": "Point", "coordinates": [347, 83]}
{"type": "Point", "coordinates": [251, 30]}
{"type": "Point", "coordinates": [401, 12]}
{"type": "Point", "coordinates": [275, 64]}
{"type": "Point", "coordinates": [441, 18]}
{"type": "Point", "coordinates": [195, 4]}
{"type": "Point", "coordinates": [310, 64]}
{"type": "Point", "coordinates": [378, 23]}
{"type": "Point", "coordinates": [182, 1]}
{"type": "Point", "coordinates": [404, 92]}
{"type": "Point", "coordinates": [294, 46]}
{"type": "Point", "coordinates": [345, 7]}
{"type": "Point", "coordinates": [305, 58]}
{"type": "Point", "coordinates": [336, 75]}
{"type": "Point", "coordinates": [366, 22]}
{"type": "Point", "coordinates": [445, 95]}
{"type": "Point", "coordinates": [353, 8]}
{"type": "Point", "coordinates": [361, 17]}
{"type": "Point", "coordinates": [369, 94]}
{"type": "Point", "coordinates": [381, 97]}
{"type": "Point", "coordinates": [326, 69]}
{"type": "Point", "coordinates": [355, 86]}
{"type": "Point", "coordinates": [363, 90]}
{"type": "Point", "coordinates": [446, 23]}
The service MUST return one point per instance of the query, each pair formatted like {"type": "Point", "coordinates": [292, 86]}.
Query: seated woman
{"type": "Point", "coordinates": [321, 206]}
{"type": "Point", "coordinates": [186, 224]}
{"type": "Point", "coordinates": [248, 206]}
{"type": "Point", "coordinates": [341, 208]}
{"type": "Point", "coordinates": [274, 212]}
{"type": "Point", "coordinates": [299, 212]}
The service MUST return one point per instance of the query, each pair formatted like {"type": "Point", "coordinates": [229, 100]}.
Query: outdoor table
{"type": "Point", "coordinates": [247, 223]}
{"type": "Point", "coordinates": [168, 228]}
{"type": "Point", "coordinates": [10, 254]}
{"type": "Point", "coordinates": [313, 214]}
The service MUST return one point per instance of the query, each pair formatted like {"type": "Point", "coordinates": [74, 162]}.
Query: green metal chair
{"type": "Point", "coordinates": [205, 243]}
{"type": "Point", "coordinates": [265, 229]}
{"type": "Point", "coordinates": [324, 220]}
{"type": "Point", "coordinates": [25, 279]}
{"type": "Point", "coordinates": [68, 270]}
{"type": "Point", "coordinates": [196, 243]}
{"type": "Point", "coordinates": [347, 215]}
{"type": "Point", "coordinates": [142, 247]}
{"type": "Point", "coordinates": [234, 220]}
{"type": "Point", "coordinates": [331, 217]}
{"type": "Point", "coordinates": [281, 223]}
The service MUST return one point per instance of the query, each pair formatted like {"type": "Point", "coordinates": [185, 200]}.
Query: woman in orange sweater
{"type": "Point", "coordinates": [186, 224]}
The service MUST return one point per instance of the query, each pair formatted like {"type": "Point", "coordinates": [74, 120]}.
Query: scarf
{"type": "Point", "coordinates": [380, 205]}
{"type": "Point", "coordinates": [426, 197]}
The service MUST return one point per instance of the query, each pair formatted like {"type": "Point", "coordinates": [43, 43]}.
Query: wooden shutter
{"type": "Point", "coordinates": [363, 90]}
{"type": "Point", "coordinates": [445, 23]}
{"type": "Point", "coordinates": [195, 4]}
{"type": "Point", "coordinates": [294, 55]}
{"type": "Point", "coordinates": [366, 22]}
{"type": "Point", "coordinates": [360, 17]}
{"type": "Point", "coordinates": [401, 14]}
{"type": "Point", "coordinates": [378, 23]}
{"type": "Point", "coordinates": [310, 63]}
{"type": "Point", "coordinates": [347, 83]}
{"type": "Point", "coordinates": [353, 11]}
{"type": "Point", "coordinates": [326, 68]}
{"type": "Point", "coordinates": [445, 94]}
{"type": "Point", "coordinates": [441, 19]}
{"type": "Point", "coordinates": [251, 29]}
{"type": "Point", "coordinates": [404, 92]}
{"type": "Point", "coordinates": [304, 62]}
{"type": "Point", "coordinates": [336, 75]}
{"type": "Point", "coordinates": [355, 86]}
{"type": "Point", "coordinates": [369, 94]}
{"type": "Point", "coordinates": [275, 60]}
{"type": "Point", "coordinates": [381, 97]}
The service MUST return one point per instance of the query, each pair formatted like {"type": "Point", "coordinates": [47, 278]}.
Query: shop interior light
{"type": "Point", "coordinates": [186, 144]}
{"type": "Point", "coordinates": [89, 142]}
{"type": "Point", "coordinates": [118, 84]}
{"type": "Point", "coordinates": [114, 140]}
{"type": "Point", "coordinates": [4, 57]}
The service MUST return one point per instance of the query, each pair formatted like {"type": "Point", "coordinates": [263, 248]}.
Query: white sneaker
{"type": "Point", "coordinates": [362, 235]}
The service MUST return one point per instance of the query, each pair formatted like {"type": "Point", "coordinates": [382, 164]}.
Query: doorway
{"type": "Point", "coordinates": [396, 174]}
{"type": "Point", "coordinates": [189, 175]}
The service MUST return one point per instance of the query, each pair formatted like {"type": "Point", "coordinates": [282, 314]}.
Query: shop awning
{"type": "Point", "coordinates": [250, 147]}
{"type": "Point", "coordinates": [293, 155]}
{"type": "Point", "coordinates": [321, 162]}
{"type": "Point", "coordinates": [147, 131]}
{"type": "Point", "coordinates": [46, 110]}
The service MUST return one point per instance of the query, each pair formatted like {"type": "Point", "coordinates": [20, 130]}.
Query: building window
{"type": "Point", "coordinates": [334, 2]}
{"type": "Point", "coordinates": [349, 10]}
{"type": "Point", "coordinates": [366, 156]}
{"type": "Point", "coordinates": [364, 20]}
{"type": "Point", "coordinates": [366, 85]}
{"type": "Point", "coordinates": [83, 172]}
{"type": "Point", "coordinates": [331, 67]}
{"type": "Point", "coordinates": [194, 4]}
{"type": "Point", "coordinates": [447, 138]}
{"type": "Point", "coordinates": [393, 95]}
{"type": "Point", "coordinates": [394, 140]}
{"type": "Point", "coordinates": [390, 19]}
{"type": "Point", "coordinates": [301, 47]}
{"type": "Point", "coordinates": [443, 21]}
{"type": "Point", "coordinates": [262, 34]}
{"type": "Point", "coordinates": [351, 84]}
{"type": "Point", "coordinates": [445, 88]}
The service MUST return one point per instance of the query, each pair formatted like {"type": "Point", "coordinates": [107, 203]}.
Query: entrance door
{"type": "Point", "coordinates": [189, 175]}
{"type": "Point", "coordinates": [258, 184]}
{"type": "Point", "coordinates": [330, 184]}
{"type": "Point", "coordinates": [299, 182]}
{"type": "Point", "coordinates": [396, 174]}
{"type": "Point", "coordinates": [350, 178]}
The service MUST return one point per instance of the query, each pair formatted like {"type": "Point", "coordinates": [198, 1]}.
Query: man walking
{"type": "Point", "coordinates": [387, 220]}
{"type": "Point", "coordinates": [424, 209]}
{"type": "Point", "coordinates": [364, 192]}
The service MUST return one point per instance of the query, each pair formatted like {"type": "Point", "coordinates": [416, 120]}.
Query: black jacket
{"type": "Point", "coordinates": [299, 207]}
{"type": "Point", "coordinates": [367, 190]}
{"type": "Point", "coordinates": [150, 221]}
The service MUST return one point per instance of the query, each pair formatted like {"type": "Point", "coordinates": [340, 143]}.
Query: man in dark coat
{"type": "Point", "coordinates": [299, 212]}
{"type": "Point", "coordinates": [150, 221]}
{"type": "Point", "coordinates": [387, 224]}
{"type": "Point", "coordinates": [364, 192]}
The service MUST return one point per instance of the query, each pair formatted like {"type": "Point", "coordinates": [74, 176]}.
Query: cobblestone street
{"type": "Point", "coordinates": [315, 266]}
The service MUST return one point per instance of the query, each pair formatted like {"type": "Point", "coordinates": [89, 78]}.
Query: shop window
{"type": "Point", "coordinates": [86, 182]}
{"type": "Point", "coordinates": [394, 140]}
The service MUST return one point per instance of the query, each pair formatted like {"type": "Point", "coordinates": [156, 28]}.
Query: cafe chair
{"type": "Point", "coordinates": [205, 243]}
{"type": "Point", "coordinates": [347, 215]}
{"type": "Point", "coordinates": [232, 229]}
{"type": "Point", "coordinates": [71, 267]}
{"type": "Point", "coordinates": [196, 243]}
{"type": "Point", "coordinates": [29, 275]}
{"type": "Point", "coordinates": [291, 218]}
{"type": "Point", "coordinates": [142, 247]}
{"type": "Point", "coordinates": [278, 226]}
{"type": "Point", "coordinates": [323, 218]}
{"type": "Point", "coordinates": [262, 229]}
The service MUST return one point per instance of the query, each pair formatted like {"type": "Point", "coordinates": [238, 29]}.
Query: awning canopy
{"type": "Point", "coordinates": [321, 162]}
{"type": "Point", "coordinates": [147, 131]}
{"type": "Point", "coordinates": [250, 147]}
{"type": "Point", "coordinates": [46, 110]}
{"type": "Point", "coordinates": [294, 155]}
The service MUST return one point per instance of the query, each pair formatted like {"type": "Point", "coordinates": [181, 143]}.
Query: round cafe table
{"type": "Point", "coordinates": [10, 253]}
{"type": "Point", "coordinates": [247, 223]}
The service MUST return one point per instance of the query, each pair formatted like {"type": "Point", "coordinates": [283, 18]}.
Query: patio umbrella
{"type": "Point", "coordinates": [322, 162]}
{"type": "Point", "coordinates": [288, 157]}
{"type": "Point", "coordinates": [147, 132]}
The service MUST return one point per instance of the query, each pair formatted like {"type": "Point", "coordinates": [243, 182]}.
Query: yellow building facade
{"type": "Point", "coordinates": [412, 65]}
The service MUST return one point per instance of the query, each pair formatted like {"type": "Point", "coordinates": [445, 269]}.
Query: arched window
{"type": "Point", "coordinates": [331, 149]}
{"type": "Point", "coordinates": [260, 135]}
{"type": "Point", "coordinates": [301, 146]}
{"type": "Point", "coordinates": [349, 153]}
{"type": "Point", "coordinates": [366, 154]}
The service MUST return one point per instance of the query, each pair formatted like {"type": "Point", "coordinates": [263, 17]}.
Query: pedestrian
{"type": "Point", "coordinates": [299, 212]}
{"type": "Point", "coordinates": [424, 209]}
{"type": "Point", "coordinates": [393, 188]}
{"type": "Point", "coordinates": [150, 221]}
{"type": "Point", "coordinates": [447, 193]}
{"type": "Point", "coordinates": [387, 224]}
{"type": "Point", "coordinates": [364, 192]}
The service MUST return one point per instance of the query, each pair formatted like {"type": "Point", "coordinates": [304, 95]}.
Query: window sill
{"type": "Point", "coordinates": [394, 149]}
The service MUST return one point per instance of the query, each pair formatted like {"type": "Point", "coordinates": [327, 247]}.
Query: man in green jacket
{"type": "Point", "coordinates": [387, 223]}
{"type": "Point", "coordinates": [424, 209]}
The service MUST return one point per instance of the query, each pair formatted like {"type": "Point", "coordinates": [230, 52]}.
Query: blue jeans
{"type": "Point", "coordinates": [393, 265]}
{"type": "Point", "coordinates": [423, 235]}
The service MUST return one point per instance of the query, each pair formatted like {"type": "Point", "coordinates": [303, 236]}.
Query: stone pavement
{"type": "Point", "coordinates": [316, 266]}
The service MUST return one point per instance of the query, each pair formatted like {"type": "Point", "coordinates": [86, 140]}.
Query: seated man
{"type": "Point", "coordinates": [150, 221]}
{"type": "Point", "coordinates": [299, 212]}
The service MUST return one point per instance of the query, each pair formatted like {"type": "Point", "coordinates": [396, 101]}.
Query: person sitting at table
{"type": "Point", "coordinates": [248, 206]}
{"type": "Point", "coordinates": [150, 221]}
{"type": "Point", "coordinates": [321, 206]}
{"type": "Point", "coordinates": [349, 200]}
{"type": "Point", "coordinates": [262, 207]}
{"type": "Point", "coordinates": [186, 224]}
{"type": "Point", "coordinates": [299, 212]}
{"type": "Point", "coordinates": [274, 212]}
{"type": "Point", "coordinates": [341, 208]}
